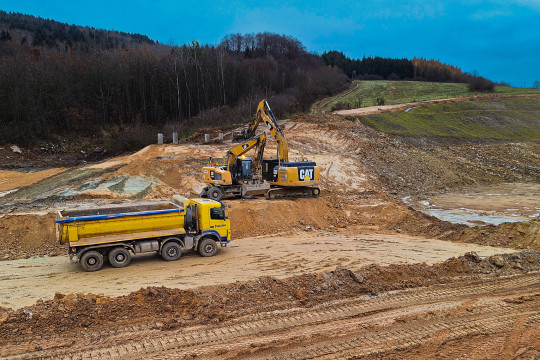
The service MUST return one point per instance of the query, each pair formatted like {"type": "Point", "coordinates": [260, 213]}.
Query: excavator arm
{"type": "Point", "coordinates": [257, 142]}
{"type": "Point", "coordinates": [265, 114]}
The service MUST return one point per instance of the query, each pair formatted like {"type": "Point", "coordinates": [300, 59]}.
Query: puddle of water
{"type": "Point", "coordinates": [471, 217]}
{"type": "Point", "coordinates": [483, 205]}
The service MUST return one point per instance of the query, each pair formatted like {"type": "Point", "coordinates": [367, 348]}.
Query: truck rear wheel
{"type": "Point", "coordinates": [119, 257]}
{"type": "Point", "coordinates": [207, 247]}
{"type": "Point", "coordinates": [91, 261]}
{"type": "Point", "coordinates": [214, 193]}
{"type": "Point", "coordinates": [171, 251]}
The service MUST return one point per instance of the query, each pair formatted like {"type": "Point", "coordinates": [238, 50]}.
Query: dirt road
{"type": "Point", "coordinates": [444, 321]}
{"type": "Point", "coordinates": [369, 110]}
{"type": "Point", "coordinates": [23, 282]}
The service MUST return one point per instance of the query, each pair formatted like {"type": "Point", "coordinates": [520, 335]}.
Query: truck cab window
{"type": "Point", "coordinates": [217, 214]}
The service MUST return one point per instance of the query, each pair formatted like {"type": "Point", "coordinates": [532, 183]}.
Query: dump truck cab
{"type": "Point", "coordinates": [210, 218]}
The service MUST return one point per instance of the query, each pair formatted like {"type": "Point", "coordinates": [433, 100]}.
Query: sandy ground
{"type": "Point", "coordinates": [10, 180]}
{"type": "Point", "coordinates": [24, 281]}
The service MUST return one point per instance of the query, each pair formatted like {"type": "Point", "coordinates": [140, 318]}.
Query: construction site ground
{"type": "Point", "coordinates": [369, 269]}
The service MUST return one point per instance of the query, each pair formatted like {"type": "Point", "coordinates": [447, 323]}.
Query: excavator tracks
{"type": "Point", "coordinates": [345, 328]}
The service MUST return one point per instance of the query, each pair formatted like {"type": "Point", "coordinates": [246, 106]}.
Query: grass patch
{"type": "Point", "coordinates": [369, 93]}
{"type": "Point", "coordinates": [504, 119]}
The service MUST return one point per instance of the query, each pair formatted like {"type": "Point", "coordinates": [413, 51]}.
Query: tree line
{"type": "Point", "coordinates": [417, 69]}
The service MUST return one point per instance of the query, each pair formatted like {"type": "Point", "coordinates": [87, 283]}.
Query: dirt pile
{"type": "Point", "coordinates": [174, 308]}
{"type": "Point", "coordinates": [23, 236]}
{"type": "Point", "coordinates": [262, 217]}
{"type": "Point", "coordinates": [522, 235]}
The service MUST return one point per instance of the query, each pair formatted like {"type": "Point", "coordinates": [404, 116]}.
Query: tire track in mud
{"type": "Point", "coordinates": [338, 317]}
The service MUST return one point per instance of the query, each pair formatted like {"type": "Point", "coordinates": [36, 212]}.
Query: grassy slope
{"type": "Point", "coordinates": [365, 93]}
{"type": "Point", "coordinates": [509, 119]}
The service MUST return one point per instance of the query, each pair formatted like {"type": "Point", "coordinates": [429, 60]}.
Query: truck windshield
{"type": "Point", "coordinates": [217, 213]}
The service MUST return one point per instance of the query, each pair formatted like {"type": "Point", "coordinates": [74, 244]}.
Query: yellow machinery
{"type": "Point", "coordinates": [165, 228]}
{"type": "Point", "coordinates": [284, 176]}
{"type": "Point", "coordinates": [239, 175]}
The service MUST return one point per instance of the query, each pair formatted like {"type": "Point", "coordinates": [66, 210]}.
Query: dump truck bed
{"type": "Point", "coordinates": [120, 223]}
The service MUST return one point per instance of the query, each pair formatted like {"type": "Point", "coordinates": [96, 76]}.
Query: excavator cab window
{"type": "Point", "coordinates": [246, 169]}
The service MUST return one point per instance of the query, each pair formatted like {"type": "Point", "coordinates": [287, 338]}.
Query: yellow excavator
{"type": "Point", "coordinates": [239, 175]}
{"type": "Point", "coordinates": [299, 177]}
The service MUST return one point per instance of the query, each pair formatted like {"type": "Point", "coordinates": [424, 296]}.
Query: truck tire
{"type": "Point", "coordinates": [171, 251]}
{"type": "Point", "coordinates": [207, 247]}
{"type": "Point", "coordinates": [91, 261]}
{"type": "Point", "coordinates": [119, 257]}
{"type": "Point", "coordinates": [214, 193]}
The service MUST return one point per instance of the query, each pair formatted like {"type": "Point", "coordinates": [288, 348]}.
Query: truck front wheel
{"type": "Point", "coordinates": [119, 257]}
{"type": "Point", "coordinates": [171, 251]}
{"type": "Point", "coordinates": [91, 261]}
{"type": "Point", "coordinates": [207, 247]}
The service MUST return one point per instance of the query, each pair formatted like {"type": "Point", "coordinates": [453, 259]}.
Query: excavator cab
{"type": "Point", "coordinates": [244, 170]}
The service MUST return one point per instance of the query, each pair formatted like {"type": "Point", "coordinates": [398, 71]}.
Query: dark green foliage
{"type": "Point", "coordinates": [84, 81]}
{"type": "Point", "coordinates": [5, 35]}
{"type": "Point", "coordinates": [368, 67]}
{"type": "Point", "coordinates": [377, 68]}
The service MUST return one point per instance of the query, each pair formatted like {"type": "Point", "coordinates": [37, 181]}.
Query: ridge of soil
{"type": "Point", "coordinates": [174, 308]}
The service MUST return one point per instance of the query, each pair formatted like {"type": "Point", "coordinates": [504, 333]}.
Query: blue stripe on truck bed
{"type": "Point", "coordinates": [103, 217]}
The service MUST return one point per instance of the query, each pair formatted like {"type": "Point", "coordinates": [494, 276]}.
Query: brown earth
{"type": "Point", "coordinates": [28, 235]}
{"type": "Point", "coordinates": [346, 313]}
{"type": "Point", "coordinates": [521, 235]}
{"type": "Point", "coordinates": [70, 323]}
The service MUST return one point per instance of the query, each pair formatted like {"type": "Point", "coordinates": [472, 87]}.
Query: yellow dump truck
{"type": "Point", "coordinates": [167, 228]}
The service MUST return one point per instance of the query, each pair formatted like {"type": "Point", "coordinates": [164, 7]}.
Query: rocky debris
{"type": "Point", "coordinates": [497, 260]}
{"type": "Point", "coordinates": [205, 305]}
{"type": "Point", "coordinates": [16, 149]}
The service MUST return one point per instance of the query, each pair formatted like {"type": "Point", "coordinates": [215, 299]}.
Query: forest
{"type": "Point", "coordinates": [59, 80]}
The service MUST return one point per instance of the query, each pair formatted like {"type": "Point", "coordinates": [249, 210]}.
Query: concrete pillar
{"type": "Point", "coordinates": [206, 138]}
{"type": "Point", "coordinates": [175, 138]}
{"type": "Point", "coordinates": [160, 139]}
{"type": "Point", "coordinates": [220, 137]}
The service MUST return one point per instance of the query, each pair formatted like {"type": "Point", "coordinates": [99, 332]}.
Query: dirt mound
{"type": "Point", "coordinates": [522, 235]}
{"type": "Point", "coordinates": [24, 236]}
{"type": "Point", "coordinates": [262, 217]}
{"type": "Point", "coordinates": [174, 308]}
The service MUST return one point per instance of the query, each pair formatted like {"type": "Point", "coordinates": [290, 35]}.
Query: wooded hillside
{"type": "Point", "coordinates": [58, 79]}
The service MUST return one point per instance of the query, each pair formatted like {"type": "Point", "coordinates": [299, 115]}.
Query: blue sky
{"type": "Point", "coordinates": [498, 39]}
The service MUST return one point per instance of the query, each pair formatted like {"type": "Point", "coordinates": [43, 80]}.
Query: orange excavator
{"type": "Point", "coordinates": [239, 175]}
{"type": "Point", "coordinates": [285, 177]}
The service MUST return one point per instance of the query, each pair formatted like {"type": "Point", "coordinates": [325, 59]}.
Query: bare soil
{"type": "Point", "coordinates": [28, 280]}
{"type": "Point", "coordinates": [398, 290]}
{"type": "Point", "coordinates": [297, 317]}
